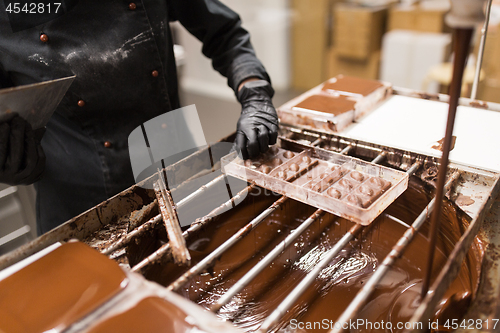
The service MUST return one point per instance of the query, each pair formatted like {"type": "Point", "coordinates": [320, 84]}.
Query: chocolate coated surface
{"type": "Point", "coordinates": [58, 289]}
{"type": "Point", "coordinates": [329, 104]}
{"type": "Point", "coordinates": [151, 315]}
{"type": "Point", "coordinates": [353, 85]}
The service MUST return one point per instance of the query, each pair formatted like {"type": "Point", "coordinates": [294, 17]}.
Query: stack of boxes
{"type": "Point", "coordinates": [357, 39]}
{"type": "Point", "coordinates": [416, 18]}
{"type": "Point", "coordinates": [330, 37]}
{"type": "Point", "coordinates": [489, 88]}
{"type": "Point", "coordinates": [310, 35]}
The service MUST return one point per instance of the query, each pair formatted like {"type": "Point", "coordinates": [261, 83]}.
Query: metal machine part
{"type": "Point", "coordinates": [109, 226]}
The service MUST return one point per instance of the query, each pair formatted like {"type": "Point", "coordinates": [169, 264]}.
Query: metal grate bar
{"type": "Point", "coordinates": [251, 274]}
{"type": "Point", "coordinates": [346, 150]}
{"type": "Point", "coordinates": [165, 249]}
{"type": "Point", "coordinates": [209, 260]}
{"type": "Point", "coordinates": [282, 309]}
{"type": "Point", "coordinates": [316, 142]}
{"type": "Point", "coordinates": [152, 222]}
{"type": "Point", "coordinates": [124, 241]}
{"type": "Point", "coordinates": [285, 305]}
{"type": "Point", "coordinates": [362, 296]}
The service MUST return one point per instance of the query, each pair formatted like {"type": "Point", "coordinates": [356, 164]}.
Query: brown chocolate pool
{"type": "Point", "coordinates": [396, 296]}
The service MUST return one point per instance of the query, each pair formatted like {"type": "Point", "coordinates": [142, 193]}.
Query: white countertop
{"type": "Point", "coordinates": [416, 124]}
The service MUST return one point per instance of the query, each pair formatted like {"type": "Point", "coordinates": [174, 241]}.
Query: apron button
{"type": "Point", "coordinates": [44, 38]}
{"type": "Point", "coordinates": [107, 144]}
{"type": "Point", "coordinates": [132, 6]}
{"type": "Point", "coordinates": [154, 73]}
{"type": "Point", "coordinates": [81, 103]}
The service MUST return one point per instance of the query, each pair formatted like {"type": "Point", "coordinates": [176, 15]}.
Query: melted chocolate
{"type": "Point", "coordinates": [329, 104]}
{"type": "Point", "coordinates": [58, 289]}
{"type": "Point", "coordinates": [338, 283]}
{"type": "Point", "coordinates": [151, 315]}
{"type": "Point", "coordinates": [353, 85]}
{"type": "Point", "coordinates": [440, 143]}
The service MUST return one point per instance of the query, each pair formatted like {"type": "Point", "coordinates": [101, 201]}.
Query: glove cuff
{"type": "Point", "coordinates": [255, 90]}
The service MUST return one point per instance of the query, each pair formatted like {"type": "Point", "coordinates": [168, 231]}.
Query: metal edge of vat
{"type": "Point", "coordinates": [108, 211]}
{"type": "Point", "coordinates": [452, 266]}
{"type": "Point", "coordinates": [486, 305]}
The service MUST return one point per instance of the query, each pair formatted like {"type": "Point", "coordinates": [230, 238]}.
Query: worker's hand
{"type": "Point", "coordinates": [22, 159]}
{"type": "Point", "coordinates": [258, 124]}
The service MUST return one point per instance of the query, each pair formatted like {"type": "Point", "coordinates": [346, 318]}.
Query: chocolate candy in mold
{"type": "Point", "coordinates": [357, 176]}
{"type": "Point", "coordinates": [337, 171]}
{"type": "Point", "coordinates": [354, 200]}
{"type": "Point", "coordinates": [252, 164]}
{"type": "Point", "coordinates": [306, 159]}
{"type": "Point", "coordinates": [366, 190]}
{"type": "Point", "coordinates": [379, 183]}
{"type": "Point", "coordinates": [273, 150]}
{"type": "Point", "coordinates": [323, 184]}
{"type": "Point", "coordinates": [289, 154]}
{"type": "Point", "coordinates": [281, 174]}
{"type": "Point", "coordinates": [323, 175]}
{"type": "Point", "coordinates": [265, 169]}
{"type": "Point", "coordinates": [276, 161]}
{"type": "Point", "coordinates": [346, 184]}
{"type": "Point", "coordinates": [294, 167]}
{"type": "Point", "coordinates": [368, 194]}
{"type": "Point", "coordinates": [334, 193]}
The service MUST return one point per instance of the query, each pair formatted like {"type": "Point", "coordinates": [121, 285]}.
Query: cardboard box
{"type": "Point", "coordinates": [491, 55]}
{"type": "Point", "coordinates": [366, 69]}
{"type": "Point", "coordinates": [489, 90]}
{"type": "Point", "coordinates": [358, 30]}
{"type": "Point", "coordinates": [309, 42]}
{"type": "Point", "coordinates": [416, 18]}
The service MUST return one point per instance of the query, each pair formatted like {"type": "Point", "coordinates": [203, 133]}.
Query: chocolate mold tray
{"type": "Point", "coordinates": [350, 100]}
{"type": "Point", "coordinates": [339, 184]}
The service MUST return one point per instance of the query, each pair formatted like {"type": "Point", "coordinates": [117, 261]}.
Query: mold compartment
{"type": "Point", "coordinates": [339, 184]}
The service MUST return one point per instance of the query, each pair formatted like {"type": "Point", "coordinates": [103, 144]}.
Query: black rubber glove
{"type": "Point", "coordinates": [257, 127]}
{"type": "Point", "coordinates": [22, 159]}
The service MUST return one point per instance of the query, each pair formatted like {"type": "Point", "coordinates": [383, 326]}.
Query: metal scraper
{"type": "Point", "coordinates": [168, 212]}
{"type": "Point", "coordinates": [35, 102]}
